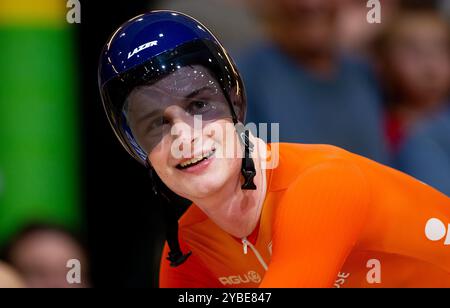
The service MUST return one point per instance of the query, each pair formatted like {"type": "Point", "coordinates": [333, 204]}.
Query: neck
{"type": "Point", "coordinates": [319, 62]}
{"type": "Point", "coordinates": [323, 66]}
{"type": "Point", "coordinates": [234, 210]}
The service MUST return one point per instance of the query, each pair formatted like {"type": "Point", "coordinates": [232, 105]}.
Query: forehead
{"type": "Point", "coordinates": [177, 85]}
{"type": "Point", "coordinates": [184, 80]}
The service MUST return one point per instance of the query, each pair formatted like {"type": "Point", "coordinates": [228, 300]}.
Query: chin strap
{"type": "Point", "coordinates": [176, 256]}
{"type": "Point", "coordinates": [248, 165]}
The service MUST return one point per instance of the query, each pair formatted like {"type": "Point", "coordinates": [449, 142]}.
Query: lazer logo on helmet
{"type": "Point", "coordinates": [141, 48]}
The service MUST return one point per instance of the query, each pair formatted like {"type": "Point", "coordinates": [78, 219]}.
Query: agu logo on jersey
{"type": "Point", "coordinates": [435, 230]}
{"type": "Point", "coordinates": [250, 277]}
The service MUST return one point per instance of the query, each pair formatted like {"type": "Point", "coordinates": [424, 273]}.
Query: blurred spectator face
{"type": "Point", "coordinates": [417, 59]}
{"type": "Point", "coordinates": [354, 32]}
{"type": "Point", "coordinates": [41, 257]}
{"type": "Point", "coordinates": [302, 27]}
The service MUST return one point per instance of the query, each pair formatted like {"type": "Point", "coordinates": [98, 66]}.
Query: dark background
{"type": "Point", "coordinates": [123, 227]}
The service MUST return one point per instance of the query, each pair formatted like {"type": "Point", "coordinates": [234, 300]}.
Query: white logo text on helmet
{"type": "Point", "coordinates": [141, 48]}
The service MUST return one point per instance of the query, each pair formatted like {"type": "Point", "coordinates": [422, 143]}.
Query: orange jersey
{"type": "Point", "coordinates": [330, 218]}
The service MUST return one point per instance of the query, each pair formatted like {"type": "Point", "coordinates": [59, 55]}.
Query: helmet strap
{"type": "Point", "coordinates": [248, 165]}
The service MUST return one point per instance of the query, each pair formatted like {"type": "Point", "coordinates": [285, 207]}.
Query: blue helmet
{"type": "Point", "coordinates": [150, 47]}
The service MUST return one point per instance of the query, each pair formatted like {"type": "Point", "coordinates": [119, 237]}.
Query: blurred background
{"type": "Point", "coordinates": [69, 191]}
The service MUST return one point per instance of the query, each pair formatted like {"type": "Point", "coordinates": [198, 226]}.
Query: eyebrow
{"type": "Point", "coordinates": [196, 92]}
{"type": "Point", "coordinates": [150, 115]}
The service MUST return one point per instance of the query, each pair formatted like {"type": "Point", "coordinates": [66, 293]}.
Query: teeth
{"type": "Point", "coordinates": [196, 159]}
{"type": "Point", "coordinates": [191, 162]}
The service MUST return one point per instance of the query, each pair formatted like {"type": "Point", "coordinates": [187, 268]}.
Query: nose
{"type": "Point", "coordinates": [183, 126]}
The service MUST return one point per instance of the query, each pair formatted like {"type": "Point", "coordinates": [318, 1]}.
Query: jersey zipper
{"type": "Point", "coordinates": [246, 244]}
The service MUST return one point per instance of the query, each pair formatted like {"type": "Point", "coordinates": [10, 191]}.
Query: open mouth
{"type": "Point", "coordinates": [195, 161]}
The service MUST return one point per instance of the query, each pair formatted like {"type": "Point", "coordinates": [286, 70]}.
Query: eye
{"type": "Point", "coordinates": [198, 107]}
{"type": "Point", "coordinates": [157, 123]}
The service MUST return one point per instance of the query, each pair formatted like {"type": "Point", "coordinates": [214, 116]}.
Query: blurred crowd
{"type": "Point", "coordinates": [327, 75]}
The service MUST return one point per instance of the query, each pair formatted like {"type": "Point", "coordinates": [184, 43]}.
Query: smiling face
{"type": "Point", "coordinates": [184, 122]}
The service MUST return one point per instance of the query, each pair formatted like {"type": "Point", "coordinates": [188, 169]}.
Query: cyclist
{"type": "Point", "coordinates": [262, 215]}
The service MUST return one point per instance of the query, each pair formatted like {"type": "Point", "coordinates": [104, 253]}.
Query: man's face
{"type": "Point", "coordinates": [42, 257]}
{"type": "Point", "coordinates": [184, 122]}
{"type": "Point", "coordinates": [419, 58]}
{"type": "Point", "coordinates": [302, 26]}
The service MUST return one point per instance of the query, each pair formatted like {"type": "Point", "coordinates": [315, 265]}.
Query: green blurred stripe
{"type": "Point", "coordinates": [38, 133]}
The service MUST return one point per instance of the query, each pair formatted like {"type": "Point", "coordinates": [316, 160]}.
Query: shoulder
{"type": "Point", "coordinates": [298, 160]}
{"type": "Point", "coordinates": [317, 178]}
{"type": "Point", "coordinates": [325, 188]}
